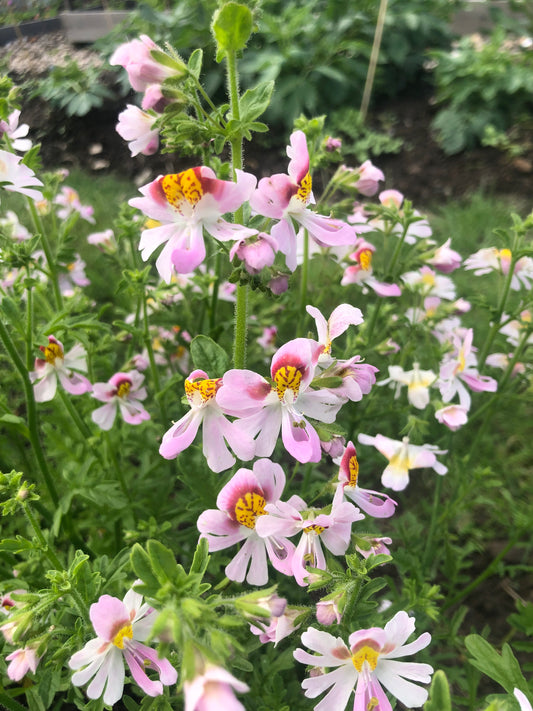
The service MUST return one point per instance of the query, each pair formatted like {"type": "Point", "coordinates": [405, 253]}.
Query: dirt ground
{"type": "Point", "coordinates": [421, 171]}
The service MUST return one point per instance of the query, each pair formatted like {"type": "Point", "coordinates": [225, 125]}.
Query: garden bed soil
{"type": "Point", "coordinates": [421, 170]}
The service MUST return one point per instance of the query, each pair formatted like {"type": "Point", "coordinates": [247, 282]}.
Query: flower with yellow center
{"type": "Point", "coordinates": [367, 662]}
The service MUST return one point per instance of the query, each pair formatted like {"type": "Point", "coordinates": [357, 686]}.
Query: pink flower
{"type": "Point", "coordinates": [459, 369]}
{"type": "Point", "coordinates": [186, 203]}
{"type": "Point", "coordinates": [279, 626]}
{"type": "Point", "coordinates": [135, 127]}
{"type": "Point", "coordinates": [58, 365]}
{"type": "Point", "coordinates": [286, 197]}
{"type": "Point", "coordinates": [256, 252]}
{"type": "Point", "coordinates": [143, 70]}
{"type": "Point", "coordinates": [368, 179]}
{"type": "Point", "coordinates": [403, 457]}
{"type": "Point", "coordinates": [73, 277]}
{"type": "Point", "coordinates": [266, 408]}
{"type": "Point", "coordinates": [240, 505]}
{"type": "Point", "coordinates": [19, 178]}
{"type": "Point", "coordinates": [333, 144]}
{"type": "Point", "coordinates": [22, 661]}
{"type": "Point", "coordinates": [374, 503]}
{"type": "Point", "coordinates": [121, 628]}
{"type": "Point", "coordinates": [201, 392]}
{"type": "Point", "coordinates": [418, 229]}
{"type": "Point", "coordinates": [368, 662]}
{"type": "Point", "coordinates": [334, 530]}
{"type": "Point", "coordinates": [213, 690]}
{"type": "Point", "coordinates": [361, 272]}
{"type": "Point", "coordinates": [16, 133]}
{"type": "Point", "coordinates": [453, 416]}
{"type": "Point", "coordinates": [342, 317]}
{"type": "Point", "coordinates": [12, 226]}
{"type": "Point", "coordinates": [103, 240]}
{"type": "Point", "coordinates": [492, 259]}
{"type": "Point", "coordinates": [330, 608]}
{"type": "Point", "coordinates": [279, 284]}
{"type": "Point", "coordinates": [123, 392]}
{"type": "Point", "coordinates": [357, 378]}
{"type": "Point", "coordinates": [69, 201]}
{"type": "Point", "coordinates": [376, 546]}
{"type": "Point", "coordinates": [445, 259]}
{"type": "Point", "coordinates": [268, 338]}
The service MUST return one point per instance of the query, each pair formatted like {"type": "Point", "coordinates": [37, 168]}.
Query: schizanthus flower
{"type": "Point", "coordinates": [121, 628]}
{"type": "Point", "coordinates": [368, 661]}
{"type": "Point", "coordinates": [58, 365]}
{"type": "Point", "coordinates": [122, 393]}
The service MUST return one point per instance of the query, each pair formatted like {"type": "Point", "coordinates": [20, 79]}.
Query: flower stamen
{"type": "Point", "coordinates": [124, 632]}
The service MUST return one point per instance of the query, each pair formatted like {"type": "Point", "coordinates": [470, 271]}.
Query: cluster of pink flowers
{"type": "Point", "coordinates": [123, 393]}
{"type": "Point", "coordinates": [285, 403]}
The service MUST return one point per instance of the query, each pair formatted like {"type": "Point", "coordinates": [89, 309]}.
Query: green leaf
{"type": "Point", "coordinates": [162, 560]}
{"type": "Point", "coordinates": [232, 27]}
{"type": "Point", "coordinates": [167, 61]}
{"type": "Point", "coordinates": [201, 557]}
{"type": "Point", "coordinates": [504, 669]}
{"type": "Point", "coordinates": [209, 356]}
{"type": "Point", "coordinates": [439, 694]}
{"type": "Point", "coordinates": [17, 423]}
{"type": "Point", "coordinates": [142, 567]}
{"type": "Point", "coordinates": [195, 63]}
{"type": "Point", "coordinates": [16, 545]}
{"type": "Point", "coordinates": [255, 101]}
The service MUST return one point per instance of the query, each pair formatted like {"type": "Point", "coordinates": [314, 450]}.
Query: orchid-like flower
{"type": "Point", "coordinates": [21, 662]}
{"type": "Point", "coordinates": [17, 177]}
{"type": "Point", "coordinates": [278, 627]}
{"type": "Point", "coordinates": [184, 204]}
{"type": "Point", "coordinates": [418, 383]}
{"type": "Point", "coordinates": [429, 283]}
{"type": "Point", "coordinates": [492, 259]}
{"type": "Point", "coordinates": [333, 530]}
{"type": "Point", "coordinates": [135, 127]}
{"type": "Point", "coordinates": [15, 132]}
{"type": "Point", "coordinates": [255, 252]}
{"type": "Point", "coordinates": [143, 70]}
{"type": "Point", "coordinates": [330, 608]}
{"type": "Point", "coordinates": [357, 378]}
{"type": "Point", "coordinates": [368, 178]}
{"type": "Point", "coordinates": [201, 392]}
{"type": "Point", "coordinates": [459, 369]}
{"type": "Point", "coordinates": [58, 365]}
{"type": "Point", "coordinates": [10, 223]}
{"type": "Point", "coordinates": [513, 329]}
{"type": "Point", "coordinates": [69, 201]}
{"type": "Point", "coordinates": [362, 273]}
{"type": "Point", "coordinates": [241, 503]}
{"type": "Point", "coordinates": [105, 241]}
{"type": "Point", "coordinates": [373, 545]}
{"type": "Point", "coordinates": [213, 690]}
{"type": "Point", "coordinates": [73, 277]}
{"type": "Point", "coordinates": [341, 318]}
{"type": "Point", "coordinates": [453, 416]}
{"type": "Point", "coordinates": [373, 503]}
{"type": "Point", "coordinates": [123, 393]}
{"type": "Point", "coordinates": [266, 408]}
{"type": "Point", "coordinates": [403, 457]}
{"type": "Point", "coordinates": [445, 259]}
{"type": "Point", "coordinates": [369, 660]}
{"type": "Point", "coordinates": [121, 627]}
{"type": "Point", "coordinates": [286, 198]}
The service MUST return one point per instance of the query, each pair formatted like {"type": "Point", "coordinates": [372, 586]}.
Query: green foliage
{"type": "Point", "coordinates": [439, 694]}
{"type": "Point", "coordinates": [74, 89]}
{"type": "Point", "coordinates": [482, 86]}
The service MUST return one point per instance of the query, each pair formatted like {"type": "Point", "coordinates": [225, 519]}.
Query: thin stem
{"type": "Point", "coordinates": [54, 560]}
{"type": "Point", "coordinates": [151, 358]}
{"type": "Point", "coordinates": [241, 304]}
{"type": "Point", "coordinates": [38, 226]}
{"type": "Point", "coordinates": [80, 424]}
{"type": "Point", "coordinates": [31, 410]}
{"type": "Point", "coordinates": [497, 319]}
{"type": "Point", "coordinates": [433, 522]}
{"type": "Point", "coordinates": [214, 295]}
{"type": "Point", "coordinates": [29, 327]}
{"type": "Point", "coordinates": [369, 83]}
{"type": "Point", "coordinates": [304, 281]}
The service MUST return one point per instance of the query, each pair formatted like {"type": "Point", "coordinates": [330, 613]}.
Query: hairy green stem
{"type": "Point", "coordinates": [29, 327]}
{"type": "Point", "coordinates": [241, 303]}
{"type": "Point", "coordinates": [151, 358]}
{"type": "Point", "coordinates": [304, 282]}
{"type": "Point", "coordinates": [31, 410]}
{"type": "Point", "coordinates": [80, 424]}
